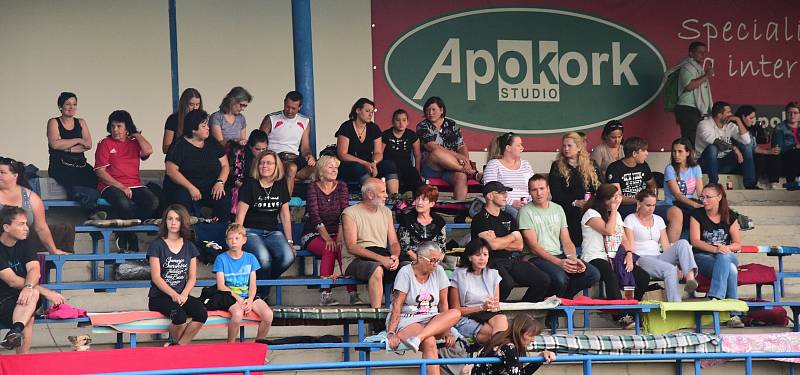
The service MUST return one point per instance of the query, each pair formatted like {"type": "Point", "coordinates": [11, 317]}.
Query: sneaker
{"type": "Point", "coordinates": [627, 322]}
{"type": "Point", "coordinates": [691, 286]}
{"type": "Point", "coordinates": [412, 343]}
{"type": "Point", "coordinates": [121, 243]}
{"type": "Point", "coordinates": [735, 322]}
{"type": "Point", "coordinates": [746, 223]}
{"type": "Point", "coordinates": [325, 299]}
{"type": "Point", "coordinates": [99, 215]}
{"type": "Point", "coordinates": [12, 340]}
{"type": "Point", "coordinates": [355, 299]}
{"type": "Point", "coordinates": [776, 186]}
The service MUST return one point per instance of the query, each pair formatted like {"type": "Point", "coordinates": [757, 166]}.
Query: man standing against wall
{"type": "Point", "coordinates": [694, 98]}
{"type": "Point", "coordinates": [289, 133]}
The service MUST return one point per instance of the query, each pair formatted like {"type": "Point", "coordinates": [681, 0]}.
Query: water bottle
{"type": "Point", "coordinates": [729, 183]}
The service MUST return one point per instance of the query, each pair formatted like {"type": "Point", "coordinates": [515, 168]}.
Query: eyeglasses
{"type": "Point", "coordinates": [704, 197]}
{"type": "Point", "coordinates": [434, 261]}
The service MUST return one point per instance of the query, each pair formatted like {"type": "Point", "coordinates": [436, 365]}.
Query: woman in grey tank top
{"type": "Point", "coordinates": [12, 193]}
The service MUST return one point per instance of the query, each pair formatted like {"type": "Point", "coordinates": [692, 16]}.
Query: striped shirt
{"type": "Point", "coordinates": [516, 179]}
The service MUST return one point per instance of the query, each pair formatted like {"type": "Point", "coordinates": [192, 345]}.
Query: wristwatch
{"type": "Point", "coordinates": [29, 285]}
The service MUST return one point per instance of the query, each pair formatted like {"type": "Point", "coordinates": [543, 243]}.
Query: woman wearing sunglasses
{"type": "Point", "coordinates": [420, 312]}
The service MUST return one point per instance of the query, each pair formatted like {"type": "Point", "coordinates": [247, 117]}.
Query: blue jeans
{"type": "Point", "coordinates": [721, 269]}
{"type": "Point", "coordinates": [273, 253]}
{"type": "Point", "coordinates": [564, 284]}
{"type": "Point", "coordinates": [713, 166]}
{"type": "Point", "coordinates": [352, 172]}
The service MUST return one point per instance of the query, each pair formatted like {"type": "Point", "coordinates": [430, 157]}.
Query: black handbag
{"type": "Point", "coordinates": [215, 299]}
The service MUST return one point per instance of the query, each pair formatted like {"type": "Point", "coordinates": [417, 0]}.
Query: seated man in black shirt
{"type": "Point", "coordinates": [501, 232]}
{"type": "Point", "coordinates": [632, 175]}
{"type": "Point", "coordinates": [19, 279]}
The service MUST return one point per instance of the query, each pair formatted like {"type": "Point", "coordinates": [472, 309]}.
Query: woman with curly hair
{"type": "Point", "coordinates": [573, 180]}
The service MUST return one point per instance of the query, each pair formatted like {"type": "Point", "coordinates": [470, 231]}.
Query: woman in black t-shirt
{"type": "Point", "coordinates": [714, 235]}
{"type": "Point", "coordinates": [359, 147]}
{"type": "Point", "coordinates": [262, 200]}
{"type": "Point", "coordinates": [197, 169]}
{"type": "Point", "coordinates": [173, 269]}
{"type": "Point", "coordinates": [189, 101]}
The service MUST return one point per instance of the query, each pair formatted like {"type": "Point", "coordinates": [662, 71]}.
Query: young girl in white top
{"type": "Point", "coordinates": [649, 236]}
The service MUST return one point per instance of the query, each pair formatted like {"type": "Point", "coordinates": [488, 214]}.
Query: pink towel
{"type": "Point", "coordinates": [64, 311]}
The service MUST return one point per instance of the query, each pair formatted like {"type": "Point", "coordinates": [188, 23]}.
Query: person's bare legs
{"type": "Point", "coordinates": [24, 314]}
{"type": "Point", "coordinates": [237, 313]}
{"type": "Point", "coordinates": [439, 325]}
{"type": "Point", "coordinates": [459, 182]}
{"type": "Point", "coordinates": [190, 332]}
{"type": "Point", "coordinates": [265, 313]}
{"type": "Point", "coordinates": [176, 331]}
{"type": "Point", "coordinates": [392, 186]}
{"type": "Point", "coordinates": [27, 336]}
{"type": "Point", "coordinates": [498, 323]}
{"type": "Point", "coordinates": [443, 160]}
{"type": "Point", "coordinates": [675, 219]}
{"type": "Point", "coordinates": [304, 174]}
{"type": "Point", "coordinates": [375, 288]}
{"type": "Point", "coordinates": [291, 172]}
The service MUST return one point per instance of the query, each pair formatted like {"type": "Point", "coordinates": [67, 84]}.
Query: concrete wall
{"type": "Point", "coordinates": [114, 54]}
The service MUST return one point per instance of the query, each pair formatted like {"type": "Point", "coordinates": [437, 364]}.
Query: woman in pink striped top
{"type": "Point", "coordinates": [507, 166]}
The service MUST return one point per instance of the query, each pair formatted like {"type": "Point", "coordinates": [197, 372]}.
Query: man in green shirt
{"type": "Point", "coordinates": [544, 232]}
{"type": "Point", "coordinates": [694, 97]}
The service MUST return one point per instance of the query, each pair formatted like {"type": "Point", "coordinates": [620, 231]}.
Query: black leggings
{"type": "Point", "coordinates": [518, 273]}
{"type": "Point", "coordinates": [123, 208]}
{"type": "Point", "coordinates": [609, 278]}
{"type": "Point", "coordinates": [191, 308]}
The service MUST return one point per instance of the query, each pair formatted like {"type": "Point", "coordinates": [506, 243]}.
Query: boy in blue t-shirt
{"type": "Point", "coordinates": [236, 273]}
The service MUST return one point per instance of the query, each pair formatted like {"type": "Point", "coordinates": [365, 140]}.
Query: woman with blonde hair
{"type": "Point", "coordinates": [507, 166]}
{"type": "Point", "coordinates": [262, 200]}
{"type": "Point", "coordinates": [573, 179]}
{"type": "Point", "coordinates": [326, 199]}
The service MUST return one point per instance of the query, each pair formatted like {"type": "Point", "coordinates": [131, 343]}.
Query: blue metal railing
{"type": "Point", "coordinates": [587, 360]}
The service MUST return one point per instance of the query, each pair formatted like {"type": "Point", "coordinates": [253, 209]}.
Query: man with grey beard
{"type": "Point", "coordinates": [369, 236]}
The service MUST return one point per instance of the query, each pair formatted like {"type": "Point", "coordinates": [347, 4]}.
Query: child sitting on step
{"type": "Point", "coordinates": [236, 273]}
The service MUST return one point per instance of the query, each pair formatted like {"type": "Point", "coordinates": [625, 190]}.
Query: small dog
{"type": "Point", "coordinates": [80, 343]}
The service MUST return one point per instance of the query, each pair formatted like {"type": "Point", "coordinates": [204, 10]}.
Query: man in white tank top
{"type": "Point", "coordinates": [289, 132]}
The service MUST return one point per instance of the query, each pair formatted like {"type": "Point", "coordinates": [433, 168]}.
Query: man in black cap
{"type": "Point", "coordinates": [500, 231]}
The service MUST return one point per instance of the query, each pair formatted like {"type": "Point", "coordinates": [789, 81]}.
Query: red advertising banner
{"type": "Point", "coordinates": [543, 68]}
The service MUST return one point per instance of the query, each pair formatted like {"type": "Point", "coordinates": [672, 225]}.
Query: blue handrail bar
{"type": "Point", "coordinates": [587, 360]}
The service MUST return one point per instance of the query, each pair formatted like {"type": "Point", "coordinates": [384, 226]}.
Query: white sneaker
{"type": "Point", "coordinates": [412, 343]}
{"type": "Point", "coordinates": [776, 186]}
{"type": "Point", "coordinates": [627, 322]}
{"type": "Point", "coordinates": [325, 299]}
{"type": "Point", "coordinates": [735, 322]}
